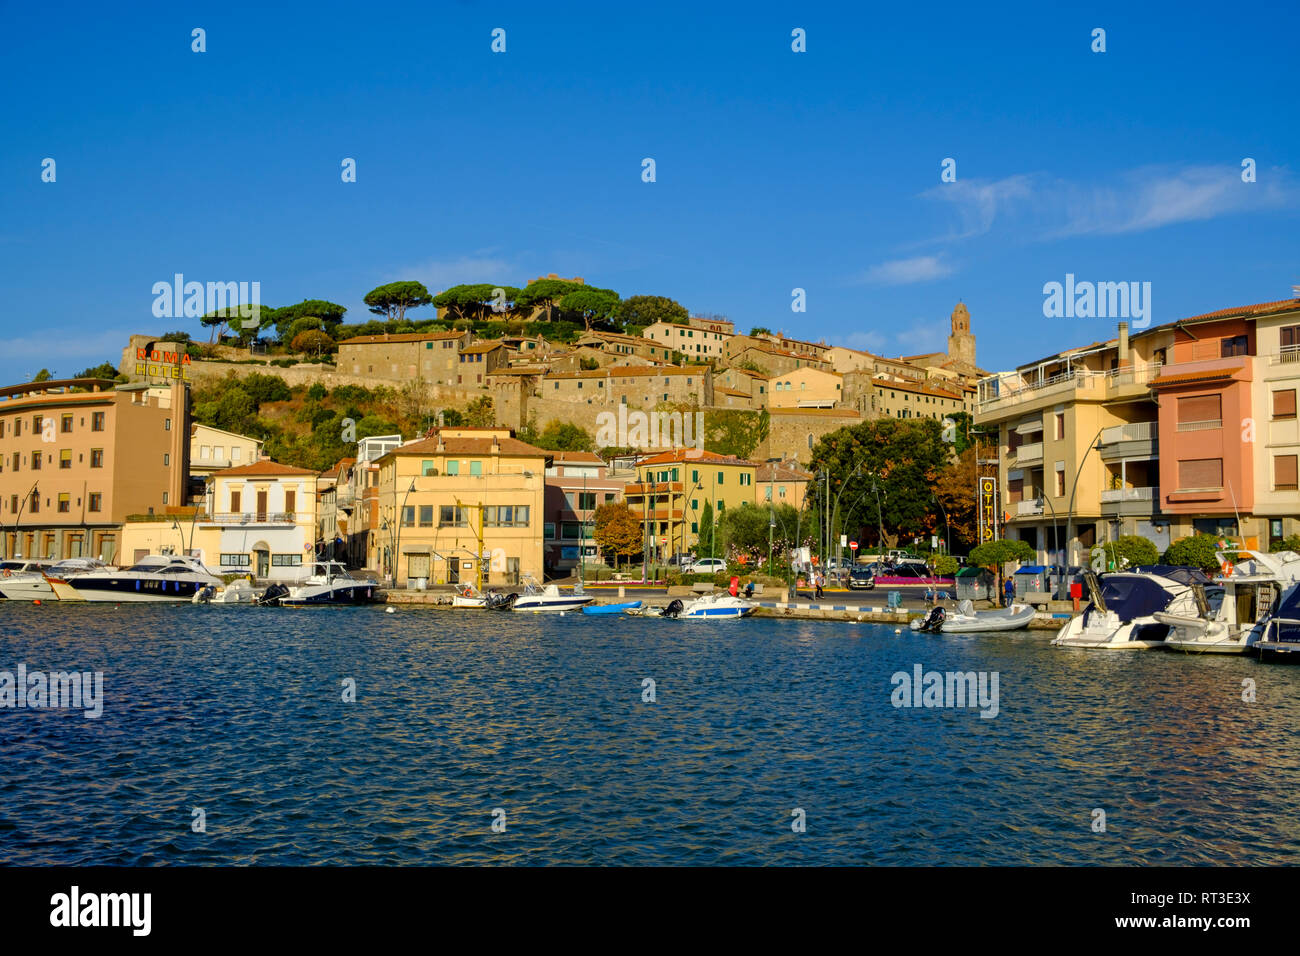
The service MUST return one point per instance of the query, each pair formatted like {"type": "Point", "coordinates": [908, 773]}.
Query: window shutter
{"type": "Point", "coordinates": [1201, 473]}
{"type": "Point", "coordinates": [1284, 403]}
{"type": "Point", "coordinates": [1284, 471]}
{"type": "Point", "coordinates": [1199, 408]}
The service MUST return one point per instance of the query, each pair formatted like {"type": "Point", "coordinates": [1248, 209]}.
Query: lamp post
{"type": "Point", "coordinates": [18, 542]}
{"type": "Point", "coordinates": [397, 541]}
{"type": "Point", "coordinates": [694, 511]}
{"type": "Point", "coordinates": [1069, 515]}
{"type": "Point", "coordinates": [1056, 540]}
{"type": "Point", "coordinates": [946, 523]}
{"type": "Point", "coordinates": [836, 509]}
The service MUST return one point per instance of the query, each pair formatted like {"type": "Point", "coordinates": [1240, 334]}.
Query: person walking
{"type": "Point", "coordinates": [1009, 590]}
{"type": "Point", "coordinates": [819, 581]}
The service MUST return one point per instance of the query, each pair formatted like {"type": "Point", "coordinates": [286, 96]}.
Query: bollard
{"type": "Point", "coordinates": [621, 591]}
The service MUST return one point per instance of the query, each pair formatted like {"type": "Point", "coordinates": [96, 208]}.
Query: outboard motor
{"type": "Point", "coordinates": [271, 596]}
{"type": "Point", "coordinates": [934, 620]}
{"type": "Point", "coordinates": [673, 609]}
{"type": "Point", "coordinates": [501, 602]}
{"type": "Point", "coordinates": [205, 594]}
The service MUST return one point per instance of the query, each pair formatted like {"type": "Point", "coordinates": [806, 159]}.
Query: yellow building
{"type": "Point", "coordinates": [471, 502]}
{"type": "Point", "coordinates": [805, 388]}
{"type": "Point", "coordinates": [781, 482]}
{"type": "Point", "coordinates": [671, 489]}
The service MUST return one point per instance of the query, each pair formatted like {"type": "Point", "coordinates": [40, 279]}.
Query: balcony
{"type": "Point", "coordinates": [1131, 440]}
{"type": "Point", "coordinates": [653, 488]}
{"type": "Point", "coordinates": [1117, 502]}
{"type": "Point", "coordinates": [1129, 383]}
{"type": "Point", "coordinates": [1011, 390]}
{"type": "Point", "coordinates": [1031, 454]}
{"type": "Point", "coordinates": [1288, 354]}
{"type": "Point", "coordinates": [1029, 507]}
{"type": "Point", "coordinates": [259, 518]}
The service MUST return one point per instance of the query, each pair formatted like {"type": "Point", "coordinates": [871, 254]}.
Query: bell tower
{"type": "Point", "coordinates": [961, 343]}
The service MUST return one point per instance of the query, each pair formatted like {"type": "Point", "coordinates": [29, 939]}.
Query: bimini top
{"type": "Point", "coordinates": [1182, 575]}
{"type": "Point", "coordinates": [1131, 596]}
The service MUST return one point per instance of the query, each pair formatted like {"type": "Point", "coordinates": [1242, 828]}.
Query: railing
{"type": "Point", "coordinates": [1287, 354]}
{"type": "Point", "coordinates": [1133, 431]}
{"type": "Point", "coordinates": [1205, 426]}
{"type": "Point", "coordinates": [258, 517]}
{"type": "Point", "coordinates": [1026, 453]}
{"type": "Point", "coordinates": [1030, 507]}
{"type": "Point", "coordinates": [1112, 495]}
{"type": "Point", "coordinates": [1013, 388]}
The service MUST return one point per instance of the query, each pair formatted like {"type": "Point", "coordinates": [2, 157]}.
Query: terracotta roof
{"type": "Point", "coordinates": [918, 389]}
{"type": "Point", "coordinates": [618, 371]}
{"type": "Point", "coordinates": [780, 471]}
{"type": "Point", "coordinates": [482, 347]}
{"type": "Point", "coordinates": [400, 337]}
{"type": "Point", "coordinates": [723, 390]}
{"type": "Point", "coordinates": [265, 467]}
{"type": "Point", "coordinates": [679, 455]}
{"type": "Point", "coordinates": [1261, 308]}
{"type": "Point", "coordinates": [590, 457]}
{"type": "Point", "coordinates": [1206, 375]}
{"type": "Point", "coordinates": [819, 412]}
{"type": "Point", "coordinates": [334, 471]}
{"type": "Point", "coordinates": [511, 447]}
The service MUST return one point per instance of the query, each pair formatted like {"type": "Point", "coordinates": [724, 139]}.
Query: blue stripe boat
{"type": "Point", "coordinates": [611, 608]}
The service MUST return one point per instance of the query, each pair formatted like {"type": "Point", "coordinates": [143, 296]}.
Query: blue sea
{"type": "Point", "coordinates": [767, 742]}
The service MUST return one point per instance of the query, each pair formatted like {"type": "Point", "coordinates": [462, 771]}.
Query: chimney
{"type": "Point", "coordinates": [1123, 345]}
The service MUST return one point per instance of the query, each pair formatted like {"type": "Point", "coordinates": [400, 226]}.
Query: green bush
{"type": "Point", "coordinates": [1196, 551]}
{"type": "Point", "coordinates": [1289, 543]}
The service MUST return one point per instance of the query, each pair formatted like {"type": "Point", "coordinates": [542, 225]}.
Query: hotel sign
{"type": "Point", "coordinates": [986, 504]}
{"type": "Point", "coordinates": [160, 364]}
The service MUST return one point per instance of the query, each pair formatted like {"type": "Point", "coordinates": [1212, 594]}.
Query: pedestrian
{"type": "Point", "coordinates": [819, 581]}
{"type": "Point", "coordinates": [1009, 589]}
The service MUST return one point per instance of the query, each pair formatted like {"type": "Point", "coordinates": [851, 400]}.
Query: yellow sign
{"type": "Point", "coordinates": [986, 503]}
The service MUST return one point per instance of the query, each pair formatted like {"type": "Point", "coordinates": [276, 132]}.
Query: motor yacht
{"type": "Point", "coordinates": [536, 598]}
{"type": "Point", "coordinates": [154, 578]}
{"type": "Point", "coordinates": [1280, 634]}
{"type": "Point", "coordinates": [328, 583]}
{"type": "Point", "coordinates": [34, 585]}
{"type": "Point", "coordinates": [1119, 615]}
{"type": "Point", "coordinates": [1232, 621]}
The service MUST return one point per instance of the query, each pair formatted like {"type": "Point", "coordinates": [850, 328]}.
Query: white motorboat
{"type": "Point", "coordinates": [1120, 614]}
{"type": "Point", "coordinates": [16, 571]}
{"type": "Point", "coordinates": [717, 605]}
{"type": "Point", "coordinates": [154, 578]}
{"type": "Point", "coordinates": [548, 598]}
{"type": "Point", "coordinates": [1231, 616]}
{"type": "Point", "coordinates": [966, 620]}
{"type": "Point", "coordinates": [238, 591]}
{"type": "Point", "coordinates": [468, 596]}
{"type": "Point", "coordinates": [1280, 634]}
{"type": "Point", "coordinates": [35, 585]}
{"type": "Point", "coordinates": [328, 583]}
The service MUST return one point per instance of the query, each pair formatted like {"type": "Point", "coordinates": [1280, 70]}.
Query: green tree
{"type": "Point", "coordinates": [643, 310]}
{"type": "Point", "coordinates": [452, 417]}
{"type": "Point", "coordinates": [392, 300]}
{"type": "Point", "coordinates": [747, 532]}
{"type": "Point", "coordinates": [474, 302]}
{"type": "Point", "coordinates": [329, 315]}
{"type": "Point", "coordinates": [945, 565]}
{"type": "Point", "coordinates": [760, 330]}
{"type": "Point", "coordinates": [103, 370]}
{"type": "Point", "coordinates": [1195, 551]}
{"type": "Point", "coordinates": [954, 487]}
{"type": "Point", "coordinates": [546, 293]}
{"type": "Point", "coordinates": [265, 388]}
{"type": "Point", "coordinates": [617, 531]}
{"type": "Point", "coordinates": [1130, 551]}
{"type": "Point", "coordinates": [994, 554]}
{"type": "Point", "coordinates": [735, 431]}
{"type": "Point", "coordinates": [707, 537]}
{"type": "Point", "coordinates": [590, 305]}
{"type": "Point", "coordinates": [44, 375]}
{"type": "Point", "coordinates": [313, 342]}
{"type": "Point", "coordinates": [1290, 543]}
{"type": "Point", "coordinates": [561, 436]}
{"type": "Point", "coordinates": [480, 413]}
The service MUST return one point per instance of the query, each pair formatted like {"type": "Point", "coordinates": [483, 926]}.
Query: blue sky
{"type": "Point", "coordinates": [775, 170]}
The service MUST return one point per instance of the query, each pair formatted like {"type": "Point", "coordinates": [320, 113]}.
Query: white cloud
{"type": "Point", "coordinates": [979, 202]}
{"type": "Point", "coordinates": [906, 271]}
{"type": "Point", "coordinates": [441, 274]}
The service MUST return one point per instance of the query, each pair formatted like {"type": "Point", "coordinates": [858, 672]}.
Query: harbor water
{"type": "Point", "coordinates": [486, 738]}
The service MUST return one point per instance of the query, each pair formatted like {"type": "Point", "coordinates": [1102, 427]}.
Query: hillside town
{"type": "Point", "coordinates": [518, 438]}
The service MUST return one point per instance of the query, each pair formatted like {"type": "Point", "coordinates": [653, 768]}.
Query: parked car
{"type": "Point", "coordinates": [680, 560]}
{"type": "Point", "coordinates": [705, 566]}
{"type": "Point", "coordinates": [861, 578]}
{"type": "Point", "coordinates": [909, 570]}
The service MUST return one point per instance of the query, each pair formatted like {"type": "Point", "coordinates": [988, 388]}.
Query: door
{"type": "Point", "coordinates": [261, 506]}
{"type": "Point", "coordinates": [512, 570]}
{"type": "Point", "coordinates": [417, 566]}
{"type": "Point", "coordinates": [263, 559]}
{"type": "Point", "coordinates": [453, 570]}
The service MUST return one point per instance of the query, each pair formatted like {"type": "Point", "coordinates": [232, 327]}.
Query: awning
{"type": "Point", "coordinates": [1208, 375]}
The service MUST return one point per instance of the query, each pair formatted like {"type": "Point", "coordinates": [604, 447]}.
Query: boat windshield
{"type": "Point", "coordinates": [1188, 576]}
{"type": "Point", "coordinates": [1289, 606]}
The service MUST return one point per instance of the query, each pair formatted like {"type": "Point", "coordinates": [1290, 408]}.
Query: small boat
{"type": "Point", "coordinates": [1120, 613]}
{"type": "Point", "coordinates": [328, 584]}
{"type": "Point", "coordinates": [154, 578]}
{"type": "Point", "coordinates": [1230, 617]}
{"type": "Point", "coordinates": [621, 608]}
{"type": "Point", "coordinates": [15, 575]}
{"type": "Point", "coordinates": [239, 591]}
{"type": "Point", "coordinates": [468, 596]}
{"type": "Point", "coordinates": [549, 598]}
{"type": "Point", "coordinates": [966, 620]}
{"type": "Point", "coordinates": [716, 605]}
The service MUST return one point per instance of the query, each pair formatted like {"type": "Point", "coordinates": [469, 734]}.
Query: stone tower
{"type": "Point", "coordinates": [961, 343]}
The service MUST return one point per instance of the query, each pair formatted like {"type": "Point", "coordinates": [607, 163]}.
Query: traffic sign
{"type": "Point", "coordinates": [853, 545]}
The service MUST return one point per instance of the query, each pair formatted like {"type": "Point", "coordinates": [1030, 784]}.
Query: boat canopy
{"type": "Point", "coordinates": [1188, 576]}
{"type": "Point", "coordinates": [1289, 606]}
{"type": "Point", "coordinates": [1131, 596]}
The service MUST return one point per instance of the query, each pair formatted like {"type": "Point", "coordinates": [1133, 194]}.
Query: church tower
{"type": "Point", "coordinates": [961, 343]}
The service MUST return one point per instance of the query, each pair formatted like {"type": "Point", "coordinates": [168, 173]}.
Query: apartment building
{"type": "Point", "coordinates": [805, 388]}
{"type": "Point", "coordinates": [577, 483]}
{"type": "Point", "coordinates": [708, 323]}
{"type": "Point", "coordinates": [782, 483]}
{"type": "Point", "coordinates": [401, 357]}
{"type": "Point", "coordinates": [213, 450]}
{"type": "Point", "coordinates": [696, 344]}
{"type": "Point", "coordinates": [77, 456]}
{"type": "Point", "coordinates": [671, 489]}
{"type": "Point", "coordinates": [620, 344]}
{"type": "Point", "coordinates": [895, 399]}
{"type": "Point", "coordinates": [460, 505]}
{"type": "Point", "coordinates": [745, 381]}
{"type": "Point", "coordinates": [475, 362]}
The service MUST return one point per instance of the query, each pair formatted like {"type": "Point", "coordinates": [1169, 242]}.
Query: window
{"type": "Point", "coordinates": [1284, 403]}
{"type": "Point", "coordinates": [453, 516]}
{"type": "Point", "coordinates": [695, 527]}
{"type": "Point", "coordinates": [426, 516]}
{"type": "Point", "coordinates": [1060, 479]}
{"type": "Point", "coordinates": [453, 467]}
{"type": "Point", "coordinates": [746, 480]}
{"type": "Point", "coordinates": [97, 421]}
{"type": "Point", "coordinates": [167, 424]}
{"type": "Point", "coordinates": [36, 461]}
{"type": "Point", "coordinates": [234, 500]}
{"type": "Point", "coordinates": [235, 561]}
{"type": "Point", "coordinates": [17, 459]}
{"type": "Point", "coordinates": [1199, 411]}
{"type": "Point", "coordinates": [65, 503]}
{"type": "Point", "coordinates": [13, 504]}
{"type": "Point", "coordinates": [167, 459]}
{"type": "Point", "coordinates": [65, 424]}
{"type": "Point", "coordinates": [1059, 425]}
{"type": "Point", "coordinates": [205, 452]}
{"type": "Point", "coordinates": [695, 475]}
{"type": "Point", "coordinates": [96, 458]}
{"type": "Point", "coordinates": [512, 516]}
{"type": "Point", "coordinates": [65, 458]}
{"type": "Point", "coordinates": [291, 500]}
{"type": "Point", "coordinates": [34, 505]}
{"type": "Point", "coordinates": [408, 516]}
{"type": "Point", "coordinates": [476, 467]}
{"type": "Point", "coordinates": [570, 530]}
{"type": "Point", "coordinates": [721, 477]}
{"type": "Point", "coordinates": [1237, 345]}
{"type": "Point", "coordinates": [1200, 473]}
{"type": "Point", "coordinates": [427, 468]}
{"type": "Point", "coordinates": [286, 560]}
{"type": "Point", "coordinates": [1284, 472]}
{"type": "Point", "coordinates": [587, 501]}
{"type": "Point", "coordinates": [609, 497]}
{"type": "Point", "coordinates": [236, 453]}
{"type": "Point", "coordinates": [548, 531]}
{"type": "Point", "coordinates": [36, 424]}
{"type": "Point", "coordinates": [96, 502]}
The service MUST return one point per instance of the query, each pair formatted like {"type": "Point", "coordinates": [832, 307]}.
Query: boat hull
{"type": "Point", "coordinates": [612, 608]}
{"type": "Point", "coordinates": [348, 596]}
{"type": "Point", "coordinates": [545, 605]}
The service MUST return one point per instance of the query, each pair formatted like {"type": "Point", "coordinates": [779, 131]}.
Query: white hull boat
{"type": "Point", "coordinates": [965, 620]}
{"type": "Point", "coordinates": [1247, 595]}
{"type": "Point", "coordinates": [718, 606]}
{"type": "Point", "coordinates": [1120, 616]}
{"type": "Point", "coordinates": [328, 584]}
{"type": "Point", "coordinates": [154, 579]}
{"type": "Point", "coordinates": [239, 591]}
{"type": "Point", "coordinates": [41, 585]}
{"type": "Point", "coordinates": [546, 599]}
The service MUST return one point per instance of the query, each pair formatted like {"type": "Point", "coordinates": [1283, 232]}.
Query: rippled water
{"type": "Point", "coordinates": [238, 711]}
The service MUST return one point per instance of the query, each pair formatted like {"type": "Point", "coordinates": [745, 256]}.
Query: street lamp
{"type": "Point", "coordinates": [1056, 541]}
{"type": "Point", "coordinates": [1069, 517]}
